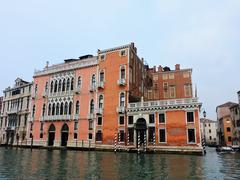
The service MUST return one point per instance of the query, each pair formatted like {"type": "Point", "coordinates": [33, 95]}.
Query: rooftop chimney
{"type": "Point", "coordinates": [177, 67]}
{"type": "Point", "coordinates": [160, 69]}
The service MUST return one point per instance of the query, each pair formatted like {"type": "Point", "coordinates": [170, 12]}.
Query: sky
{"type": "Point", "coordinates": [200, 34]}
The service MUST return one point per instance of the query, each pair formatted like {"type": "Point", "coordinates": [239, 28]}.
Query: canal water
{"type": "Point", "coordinates": [55, 164]}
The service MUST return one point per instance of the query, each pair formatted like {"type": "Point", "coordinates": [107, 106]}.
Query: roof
{"type": "Point", "coordinates": [207, 120]}
{"type": "Point", "coordinates": [228, 104]}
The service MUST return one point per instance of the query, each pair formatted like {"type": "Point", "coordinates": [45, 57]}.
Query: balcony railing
{"type": "Point", "coordinates": [76, 117]}
{"type": "Point", "coordinates": [121, 82]}
{"type": "Point", "coordinates": [90, 116]}
{"type": "Point", "coordinates": [163, 103]}
{"type": "Point", "coordinates": [101, 84]}
{"type": "Point", "coordinates": [99, 111]}
{"type": "Point", "coordinates": [77, 90]}
{"type": "Point", "coordinates": [58, 117]}
{"type": "Point", "coordinates": [121, 109]}
{"type": "Point", "coordinates": [12, 111]}
{"type": "Point", "coordinates": [62, 93]}
{"type": "Point", "coordinates": [45, 94]}
{"type": "Point", "coordinates": [92, 88]}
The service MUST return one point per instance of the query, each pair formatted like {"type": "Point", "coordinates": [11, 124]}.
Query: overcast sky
{"type": "Point", "coordinates": [203, 35]}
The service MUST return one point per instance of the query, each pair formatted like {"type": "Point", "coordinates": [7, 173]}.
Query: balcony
{"type": "Point", "coordinates": [76, 117]}
{"type": "Point", "coordinates": [90, 116]}
{"type": "Point", "coordinates": [57, 118]}
{"type": "Point", "coordinates": [92, 88]}
{"type": "Point", "coordinates": [60, 94]}
{"type": "Point", "coordinates": [77, 90]}
{"type": "Point", "coordinates": [121, 82]}
{"type": "Point", "coordinates": [101, 85]}
{"type": "Point", "coordinates": [121, 109]}
{"type": "Point", "coordinates": [12, 111]}
{"type": "Point", "coordinates": [99, 111]}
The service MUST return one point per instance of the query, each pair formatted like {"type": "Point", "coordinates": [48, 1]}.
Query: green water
{"type": "Point", "coordinates": [55, 164]}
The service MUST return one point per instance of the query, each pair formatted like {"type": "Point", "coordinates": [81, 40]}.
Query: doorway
{"type": "Point", "coordinates": [64, 135]}
{"type": "Point", "coordinates": [141, 129]}
{"type": "Point", "coordinates": [51, 135]}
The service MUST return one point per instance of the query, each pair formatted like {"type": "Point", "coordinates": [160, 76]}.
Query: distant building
{"type": "Point", "coordinates": [1, 99]}
{"type": "Point", "coordinates": [209, 131]}
{"type": "Point", "coordinates": [225, 125]}
{"type": "Point", "coordinates": [235, 115]}
{"type": "Point", "coordinates": [15, 111]}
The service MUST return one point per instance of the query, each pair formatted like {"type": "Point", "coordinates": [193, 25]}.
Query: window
{"type": "Point", "coordinates": [191, 136]}
{"type": "Point", "coordinates": [92, 107]}
{"type": "Point", "coordinates": [210, 137]}
{"type": "Point", "coordinates": [70, 108]}
{"type": "Point", "coordinates": [121, 136]}
{"type": "Point", "coordinates": [171, 76]}
{"type": "Point", "coordinates": [75, 126]}
{"type": "Point", "coordinates": [53, 109]}
{"type": "Point", "coordinates": [75, 135]}
{"type": "Point", "coordinates": [41, 126]}
{"type": "Point", "coordinates": [60, 85]}
{"type": "Point", "coordinates": [121, 120]}
{"type": "Point", "coordinates": [90, 136]}
{"type": "Point", "coordinates": [93, 81]}
{"type": "Point", "coordinates": [79, 83]}
{"type": "Point", "coordinates": [64, 85]}
{"type": "Point", "coordinates": [101, 76]}
{"type": "Point", "coordinates": [49, 109]}
{"type": "Point", "coordinates": [151, 132]}
{"type": "Point", "coordinates": [90, 125]}
{"type": "Point", "coordinates": [99, 135]}
{"type": "Point", "coordinates": [122, 73]}
{"type": "Point", "coordinates": [100, 102]}
{"type": "Point", "coordinates": [162, 135]}
{"type": "Point", "coordinates": [66, 108]}
{"type": "Point", "coordinates": [68, 85]}
{"type": "Point", "coordinates": [209, 125]}
{"type": "Point", "coordinates": [131, 134]}
{"type": "Point", "coordinates": [99, 121]}
{"type": "Point", "coordinates": [123, 52]}
{"type": "Point", "coordinates": [72, 83]}
{"type": "Point", "coordinates": [41, 135]}
{"type": "Point", "coordinates": [172, 91]}
{"type": "Point", "coordinates": [33, 111]}
{"type": "Point", "coordinates": [229, 138]}
{"type": "Point", "coordinates": [122, 99]}
{"type": "Point", "coordinates": [61, 108]}
{"type": "Point", "coordinates": [77, 108]}
{"type": "Point", "coordinates": [190, 117]}
{"type": "Point", "coordinates": [165, 76]}
{"type": "Point", "coordinates": [46, 87]}
{"type": "Point", "coordinates": [228, 129]}
{"type": "Point", "coordinates": [186, 74]}
{"type": "Point", "coordinates": [57, 109]}
{"type": "Point", "coordinates": [187, 90]}
{"type": "Point", "coordinates": [130, 119]}
{"type": "Point", "coordinates": [43, 110]}
{"type": "Point", "coordinates": [55, 86]}
{"type": "Point", "coordinates": [102, 57]}
{"type": "Point", "coordinates": [161, 118]}
{"type": "Point", "coordinates": [51, 88]}
{"type": "Point", "coordinates": [151, 118]}
{"type": "Point", "coordinates": [36, 88]}
{"type": "Point", "coordinates": [210, 131]}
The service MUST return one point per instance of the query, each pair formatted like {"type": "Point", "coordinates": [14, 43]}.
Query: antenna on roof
{"type": "Point", "coordinates": [47, 64]}
{"type": "Point", "coordinates": [196, 95]}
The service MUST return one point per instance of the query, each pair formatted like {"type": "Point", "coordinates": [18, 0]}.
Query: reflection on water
{"type": "Point", "coordinates": [45, 164]}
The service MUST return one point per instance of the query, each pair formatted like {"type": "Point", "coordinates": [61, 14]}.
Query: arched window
{"type": "Point", "coordinates": [49, 109]}
{"type": "Point", "coordinates": [68, 84]}
{"type": "Point", "coordinates": [46, 87]}
{"type": "Point", "coordinates": [77, 108]}
{"type": "Point", "coordinates": [53, 109]}
{"type": "Point", "coordinates": [60, 85]}
{"type": "Point", "coordinates": [61, 108]}
{"type": "Point", "coordinates": [92, 107]}
{"type": "Point", "coordinates": [70, 108]}
{"type": "Point", "coordinates": [122, 99]}
{"type": "Point", "coordinates": [64, 85]}
{"type": "Point", "coordinates": [100, 102]}
{"type": "Point", "coordinates": [72, 83]}
{"type": "Point", "coordinates": [33, 110]}
{"type": "Point", "coordinates": [51, 88]}
{"type": "Point", "coordinates": [66, 108]}
{"type": "Point", "coordinates": [79, 82]}
{"type": "Point", "coordinates": [101, 76]}
{"type": "Point", "coordinates": [57, 109]}
{"type": "Point", "coordinates": [55, 86]}
{"type": "Point", "coordinates": [93, 82]}
{"type": "Point", "coordinates": [43, 110]}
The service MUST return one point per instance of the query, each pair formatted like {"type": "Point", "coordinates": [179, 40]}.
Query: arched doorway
{"type": "Point", "coordinates": [64, 135]}
{"type": "Point", "coordinates": [141, 128]}
{"type": "Point", "coordinates": [51, 135]}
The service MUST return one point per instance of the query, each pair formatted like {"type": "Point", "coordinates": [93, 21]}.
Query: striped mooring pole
{"type": "Point", "coordinates": [154, 142]}
{"type": "Point", "coordinates": [119, 139]}
{"type": "Point", "coordinates": [128, 142]}
{"type": "Point", "coordinates": [115, 143]}
{"type": "Point", "coordinates": [138, 143]}
{"type": "Point", "coordinates": [204, 146]}
{"type": "Point", "coordinates": [145, 142]}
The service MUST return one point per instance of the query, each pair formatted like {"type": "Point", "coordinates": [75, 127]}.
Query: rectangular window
{"type": "Point", "coordinates": [130, 119]}
{"type": "Point", "coordinates": [121, 120]}
{"type": "Point", "coordinates": [90, 125]}
{"type": "Point", "coordinates": [165, 76]}
{"type": "Point", "coordinates": [75, 135]}
{"type": "Point", "coordinates": [186, 74]}
{"type": "Point", "coordinates": [187, 90]}
{"type": "Point", "coordinates": [90, 136]}
{"type": "Point", "coordinates": [41, 126]}
{"type": "Point", "coordinates": [131, 135]}
{"type": "Point", "coordinates": [102, 57]}
{"type": "Point", "coordinates": [190, 117]}
{"type": "Point", "coordinates": [162, 135]}
{"type": "Point", "coordinates": [75, 126]}
{"type": "Point", "coordinates": [122, 73]}
{"type": "Point", "coordinates": [191, 136]}
{"type": "Point", "coordinates": [99, 135]}
{"type": "Point", "coordinates": [210, 131]}
{"type": "Point", "coordinates": [228, 129]}
{"type": "Point", "coordinates": [171, 76]}
{"type": "Point", "coordinates": [161, 118]}
{"type": "Point", "coordinates": [151, 132]}
{"type": "Point", "coordinates": [151, 118]}
{"type": "Point", "coordinates": [41, 135]}
{"type": "Point", "coordinates": [172, 91]}
{"type": "Point", "coordinates": [101, 76]}
{"type": "Point", "coordinates": [123, 52]}
{"type": "Point", "coordinates": [99, 121]}
{"type": "Point", "coordinates": [121, 135]}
